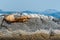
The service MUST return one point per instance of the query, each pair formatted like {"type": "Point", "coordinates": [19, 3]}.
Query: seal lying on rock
{"type": "Point", "coordinates": [12, 19]}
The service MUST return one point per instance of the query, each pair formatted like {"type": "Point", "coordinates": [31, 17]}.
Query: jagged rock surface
{"type": "Point", "coordinates": [35, 23]}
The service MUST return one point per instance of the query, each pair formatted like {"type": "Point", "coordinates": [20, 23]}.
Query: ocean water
{"type": "Point", "coordinates": [49, 12]}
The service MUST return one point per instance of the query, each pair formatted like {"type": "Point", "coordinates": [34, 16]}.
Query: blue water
{"type": "Point", "coordinates": [50, 12]}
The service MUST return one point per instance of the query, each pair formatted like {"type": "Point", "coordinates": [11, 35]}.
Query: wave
{"type": "Point", "coordinates": [49, 12]}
